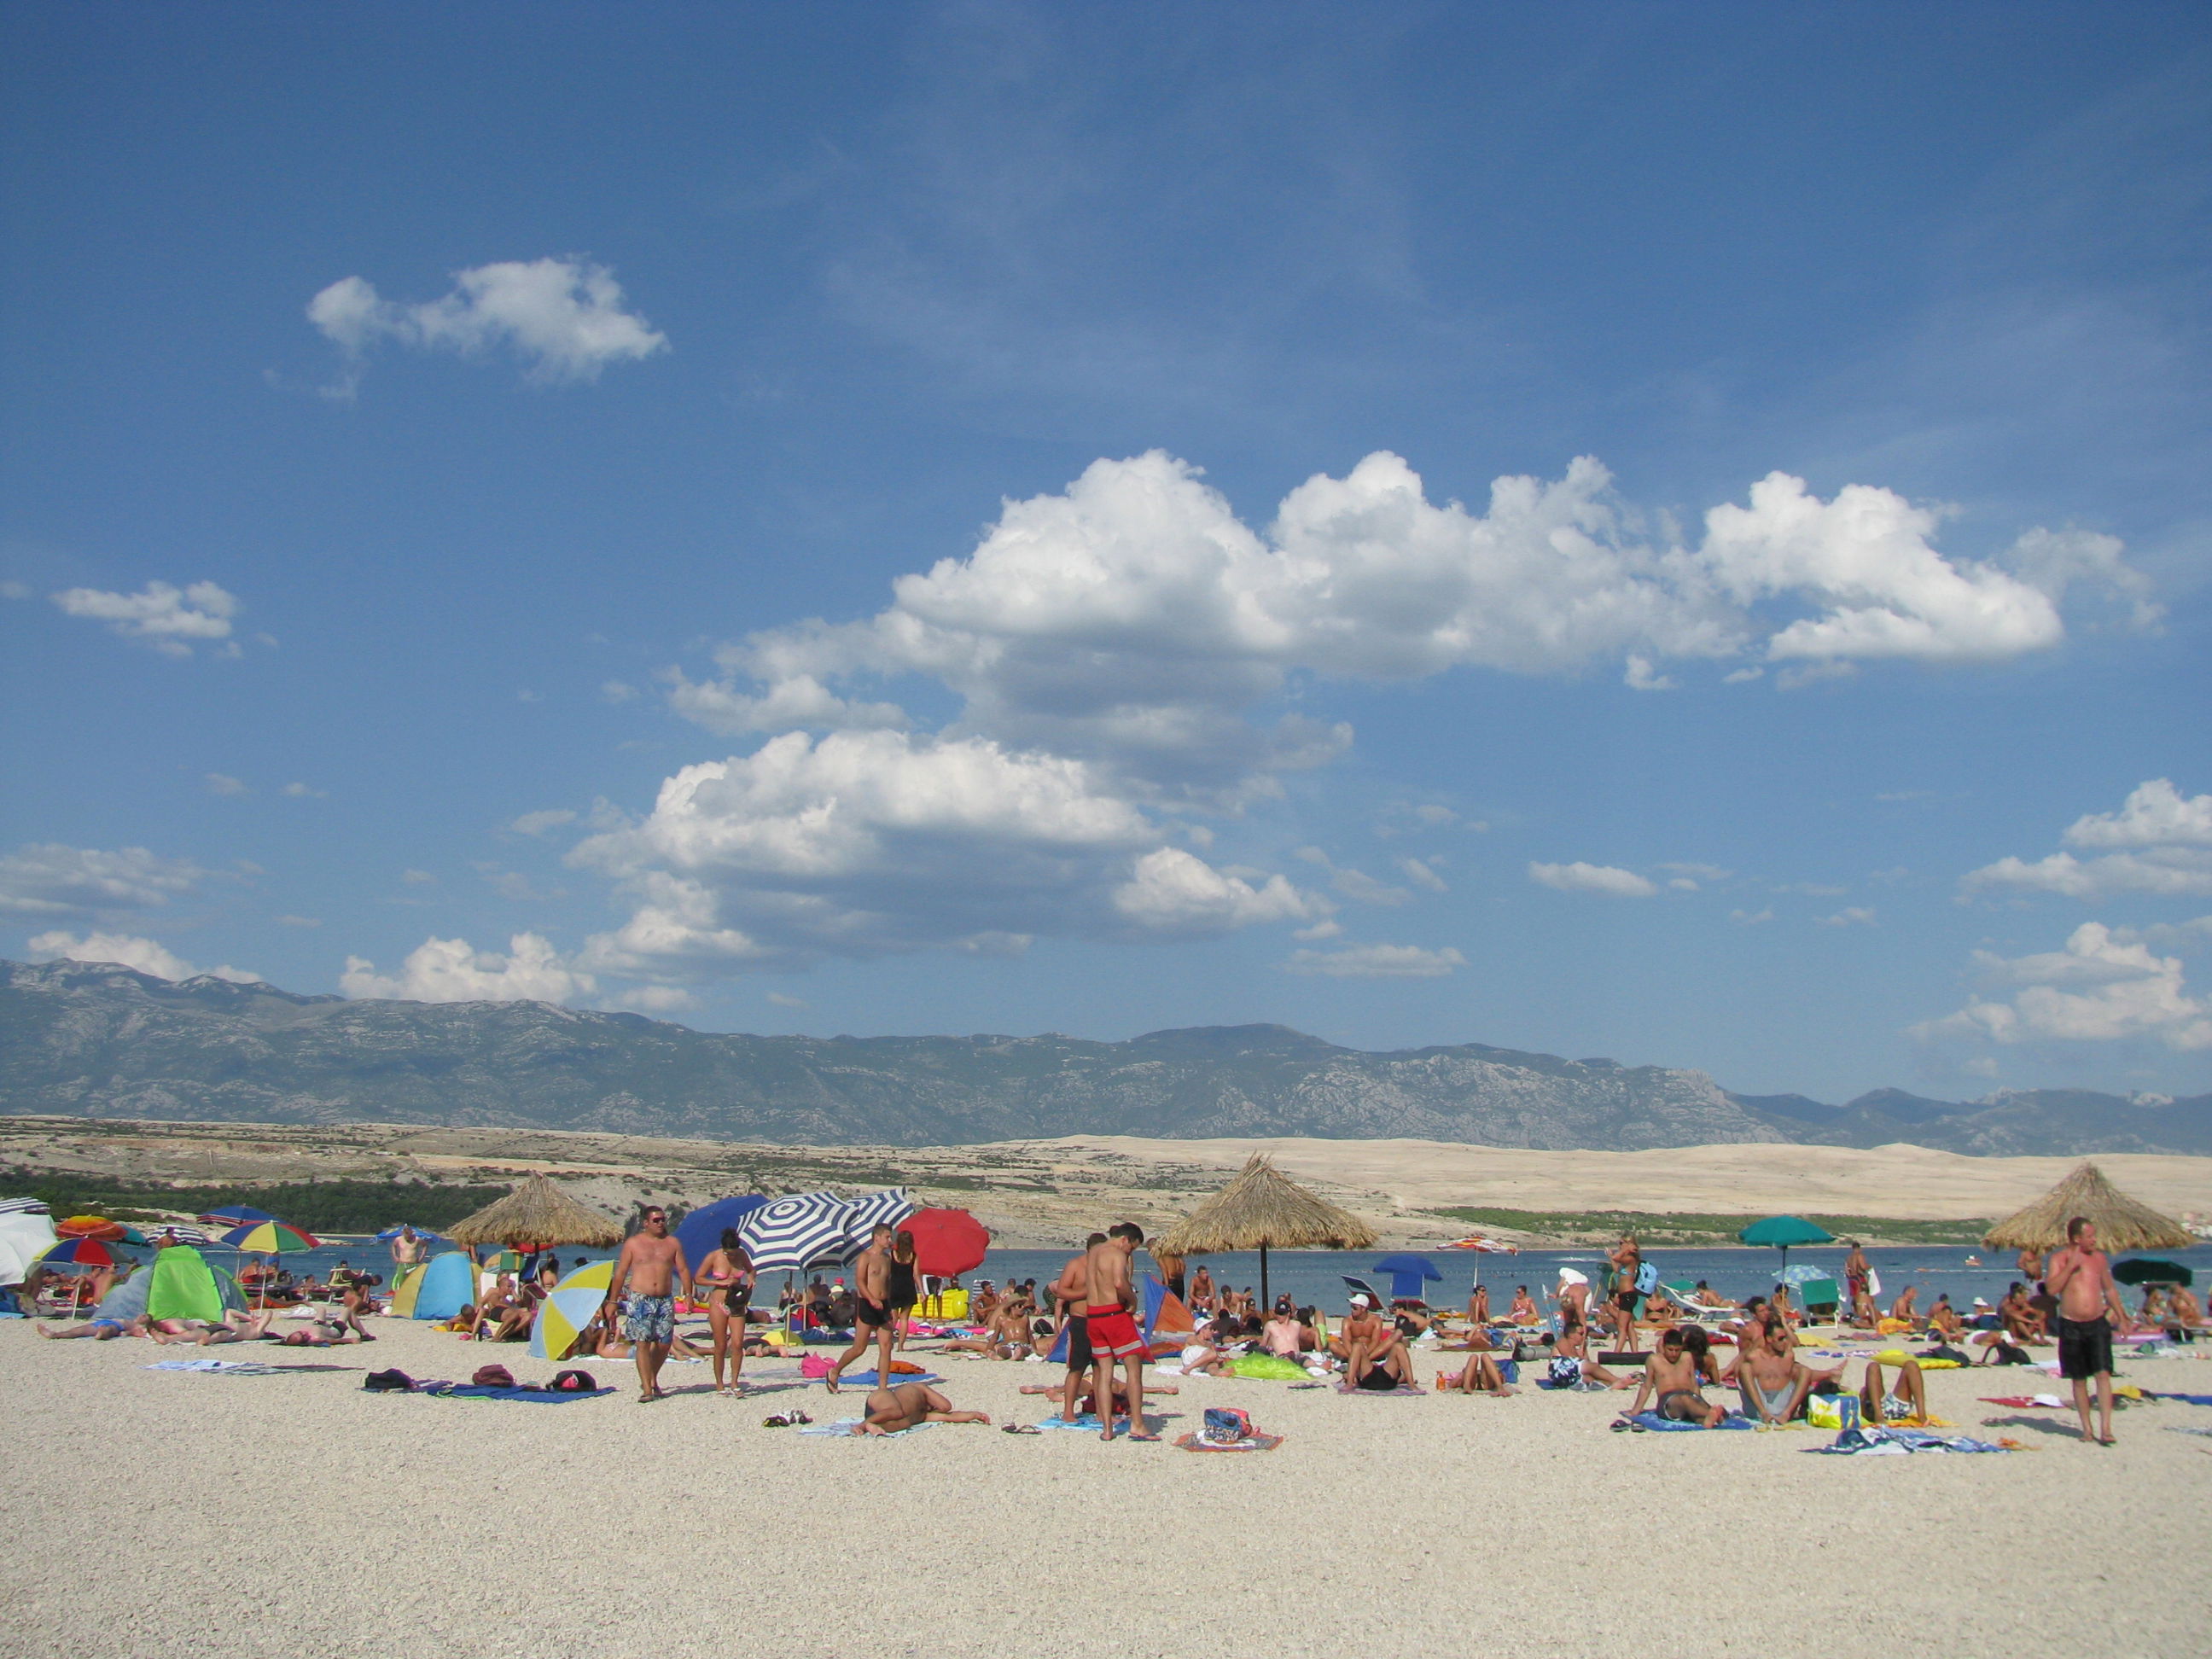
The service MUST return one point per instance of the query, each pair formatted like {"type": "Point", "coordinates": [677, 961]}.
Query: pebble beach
{"type": "Point", "coordinates": [294, 1513]}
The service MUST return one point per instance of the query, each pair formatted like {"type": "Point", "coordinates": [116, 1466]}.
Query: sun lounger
{"type": "Point", "coordinates": [1683, 1295]}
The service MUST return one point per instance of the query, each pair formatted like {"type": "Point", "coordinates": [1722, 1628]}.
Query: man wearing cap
{"type": "Point", "coordinates": [1373, 1347]}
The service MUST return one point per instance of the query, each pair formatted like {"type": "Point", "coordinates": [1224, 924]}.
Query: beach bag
{"type": "Point", "coordinates": [814, 1364]}
{"type": "Point", "coordinates": [390, 1382]}
{"type": "Point", "coordinates": [493, 1376]}
{"type": "Point", "coordinates": [1647, 1279]}
{"type": "Point", "coordinates": [575, 1382]}
{"type": "Point", "coordinates": [1833, 1411]}
{"type": "Point", "coordinates": [1226, 1425]}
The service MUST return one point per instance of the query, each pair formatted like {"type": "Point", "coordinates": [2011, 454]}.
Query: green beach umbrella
{"type": "Point", "coordinates": [1781, 1231]}
{"type": "Point", "coordinates": [2149, 1270]}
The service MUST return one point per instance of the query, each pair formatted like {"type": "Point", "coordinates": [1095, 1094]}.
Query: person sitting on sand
{"type": "Point", "coordinates": [2152, 1314]}
{"type": "Point", "coordinates": [1780, 1305]}
{"type": "Point", "coordinates": [1524, 1310]}
{"type": "Point", "coordinates": [1663, 1312]}
{"type": "Point", "coordinates": [2023, 1322]}
{"type": "Point", "coordinates": [1672, 1384]}
{"type": "Point", "coordinates": [1574, 1316]}
{"type": "Point", "coordinates": [1943, 1320]}
{"type": "Point", "coordinates": [1279, 1335]}
{"type": "Point", "coordinates": [1772, 1379]}
{"type": "Point", "coordinates": [1479, 1375]}
{"type": "Point", "coordinates": [1478, 1306]}
{"type": "Point", "coordinates": [1904, 1400]}
{"type": "Point", "coordinates": [1904, 1308]}
{"type": "Point", "coordinates": [1374, 1348]}
{"type": "Point", "coordinates": [2184, 1312]}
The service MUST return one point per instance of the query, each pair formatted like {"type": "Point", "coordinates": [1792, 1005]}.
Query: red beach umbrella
{"type": "Point", "coordinates": [80, 1252]}
{"type": "Point", "coordinates": [946, 1241]}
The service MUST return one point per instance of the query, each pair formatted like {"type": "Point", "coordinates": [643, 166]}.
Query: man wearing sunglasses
{"type": "Point", "coordinates": [649, 1268]}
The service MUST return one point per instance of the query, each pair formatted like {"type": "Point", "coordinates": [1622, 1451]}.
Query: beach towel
{"type": "Point", "coordinates": [440, 1389]}
{"type": "Point", "coordinates": [1651, 1422]}
{"type": "Point", "coordinates": [1271, 1367]}
{"type": "Point", "coordinates": [2023, 1401]}
{"type": "Point", "coordinates": [1198, 1442]}
{"type": "Point", "coordinates": [238, 1367]}
{"type": "Point", "coordinates": [2192, 1398]}
{"type": "Point", "coordinates": [2191, 1428]}
{"type": "Point", "coordinates": [1899, 1443]}
{"type": "Point", "coordinates": [867, 1379]}
{"type": "Point", "coordinates": [851, 1426]}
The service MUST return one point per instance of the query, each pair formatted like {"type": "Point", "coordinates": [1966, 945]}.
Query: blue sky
{"type": "Point", "coordinates": [1671, 532]}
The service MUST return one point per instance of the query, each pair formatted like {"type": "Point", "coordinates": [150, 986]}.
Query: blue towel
{"type": "Point", "coordinates": [867, 1379]}
{"type": "Point", "coordinates": [2193, 1399]}
{"type": "Point", "coordinates": [1659, 1424]}
{"type": "Point", "coordinates": [1859, 1443]}
{"type": "Point", "coordinates": [475, 1391]}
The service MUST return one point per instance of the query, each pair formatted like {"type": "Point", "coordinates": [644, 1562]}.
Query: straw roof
{"type": "Point", "coordinates": [536, 1213]}
{"type": "Point", "coordinates": [1264, 1207]}
{"type": "Point", "coordinates": [2122, 1223]}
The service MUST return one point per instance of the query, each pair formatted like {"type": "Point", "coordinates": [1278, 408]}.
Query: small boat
{"type": "Point", "coordinates": [1973, 1261]}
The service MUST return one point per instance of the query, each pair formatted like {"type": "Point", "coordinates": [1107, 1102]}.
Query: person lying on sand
{"type": "Point", "coordinates": [995, 1345]}
{"type": "Point", "coordinates": [1671, 1384]}
{"type": "Point", "coordinates": [890, 1410]}
{"type": "Point", "coordinates": [1565, 1371]}
{"type": "Point", "coordinates": [237, 1326]}
{"type": "Point", "coordinates": [1479, 1375]}
{"type": "Point", "coordinates": [100, 1330]}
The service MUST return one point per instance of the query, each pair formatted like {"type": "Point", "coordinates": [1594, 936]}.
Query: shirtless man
{"type": "Point", "coordinates": [908, 1405]}
{"type": "Point", "coordinates": [1903, 1308]}
{"type": "Point", "coordinates": [650, 1269]}
{"type": "Point", "coordinates": [1772, 1379]}
{"type": "Point", "coordinates": [2022, 1322]}
{"type": "Point", "coordinates": [2089, 1307]}
{"type": "Point", "coordinates": [1108, 1311]}
{"type": "Point", "coordinates": [1943, 1320]}
{"type": "Point", "coordinates": [1203, 1299]}
{"type": "Point", "coordinates": [1858, 1275]}
{"type": "Point", "coordinates": [1671, 1382]}
{"type": "Point", "coordinates": [871, 1308]}
{"type": "Point", "coordinates": [1574, 1318]}
{"type": "Point", "coordinates": [1069, 1290]}
{"type": "Point", "coordinates": [1281, 1334]}
{"type": "Point", "coordinates": [1373, 1345]}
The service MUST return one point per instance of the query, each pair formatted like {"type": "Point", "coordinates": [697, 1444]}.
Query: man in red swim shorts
{"type": "Point", "coordinates": [1111, 1319]}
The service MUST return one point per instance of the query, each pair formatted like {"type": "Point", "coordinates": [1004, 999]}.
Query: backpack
{"type": "Point", "coordinates": [575, 1382]}
{"type": "Point", "coordinates": [387, 1381]}
{"type": "Point", "coordinates": [1647, 1279]}
{"type": "Point", "coordinates": [492, 1377]}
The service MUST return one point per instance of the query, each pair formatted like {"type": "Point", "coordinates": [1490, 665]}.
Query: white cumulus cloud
{"type": "Point", "coordinates": [172, 620]}
{"type": "Point", "coordinates": [2100, 988]}
{"type": "Point", "coordinates": [51, 879]}
{"type": "Point", "coordinates": [564, 319]}
{"type": "Point", "coordinates": [449, 971]}
{"type": "Point", "coordinates": [537, 822]}
{"type": "Point", "coordinates": [1376, 962]}
{"type": "Point", "coordinates": [1580, 877]}
{"type": "Point", "coordinates": [2166, 842]}
{"type": "Point", "coordinates": [147, 956]}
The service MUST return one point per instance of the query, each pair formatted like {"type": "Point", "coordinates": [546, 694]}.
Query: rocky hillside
{"type": "Point", "coordinates": [99, 1040]}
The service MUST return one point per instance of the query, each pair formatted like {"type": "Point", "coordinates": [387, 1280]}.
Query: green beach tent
{"type": "Point", "coordinates": [182, 1286]}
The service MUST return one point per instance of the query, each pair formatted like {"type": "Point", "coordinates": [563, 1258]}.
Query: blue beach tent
{"type": "Point", "coordinates": [449, 1285]}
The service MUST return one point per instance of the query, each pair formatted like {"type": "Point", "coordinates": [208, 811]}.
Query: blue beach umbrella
{"type": "Point", "coordinates": [1407, 1274]}
{"type": "Point", "coordinates": [236, 1215]}
{"type": "Point", "coordinates": [700, 1233]}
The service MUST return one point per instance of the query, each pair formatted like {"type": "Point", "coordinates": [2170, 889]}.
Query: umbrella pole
{"type": "Point", "coordinates": [1266, 1301]}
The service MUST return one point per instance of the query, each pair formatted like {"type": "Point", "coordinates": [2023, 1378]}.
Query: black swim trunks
{"type": "Point", "coordinates": [865, 1312]}
{"type": "Point", "coordinates": [2085, 1346]}
{"type": "Point", "coordinates": [1079, 1357]}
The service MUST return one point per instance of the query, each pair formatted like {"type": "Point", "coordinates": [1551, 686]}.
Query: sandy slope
{"type": "Point", "coordinates": [159, 1515]}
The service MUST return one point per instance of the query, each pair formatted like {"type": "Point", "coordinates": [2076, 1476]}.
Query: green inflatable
{"type": "Point", "coordinates": [182, 1287]}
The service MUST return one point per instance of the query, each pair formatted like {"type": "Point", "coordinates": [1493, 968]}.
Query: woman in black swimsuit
{"type": "Point", "coordinates": [904, 1289]}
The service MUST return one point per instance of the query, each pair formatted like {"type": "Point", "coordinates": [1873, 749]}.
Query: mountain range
{"type": "Point", "coordinates": [99, 1040]}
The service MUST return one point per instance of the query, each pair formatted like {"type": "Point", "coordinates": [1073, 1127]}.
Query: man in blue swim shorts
{"type": "Point", "coordinates": [650, 1269]}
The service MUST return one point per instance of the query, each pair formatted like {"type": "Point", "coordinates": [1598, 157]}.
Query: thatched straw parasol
{"type": "Point", "coordinates": [2122, 1223]}
{"type": "Point", "coordinates": [534, 1215]}
{"type": "Point", "coordinates": [1263, 1207]}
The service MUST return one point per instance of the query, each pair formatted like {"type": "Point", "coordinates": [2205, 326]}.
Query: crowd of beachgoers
{"type": "Point", "coordinates": [1101, 1326]}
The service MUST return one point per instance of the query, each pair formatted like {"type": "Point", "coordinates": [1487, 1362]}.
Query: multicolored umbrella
{"type": "Point", "coordinates": [269, 1237]}
{"type": "Point", "coordinates": [80, 1252]}
{"type": "Point", "coordinates": [568, 1307]}
{"type": "Point", "coordinates": [92, 1226]}
{"type": "Point", "coordinates": [236, 1215]}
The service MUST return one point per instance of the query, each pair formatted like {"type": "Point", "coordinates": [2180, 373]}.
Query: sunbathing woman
{"type": "Point", "coordinates": [100, 1330]}
{"type": "Point", "coordinates": [1905, 1400]}
{"type": "Point", "coordinates": [1479, 1375]}
{"type": "Point", "coordinates": [1523, 1311]}
{"type": "Point", "coordinates": [909, 1405]}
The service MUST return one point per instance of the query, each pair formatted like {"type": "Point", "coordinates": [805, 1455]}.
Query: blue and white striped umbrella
{"type": "Point", "coordinates": [793, 1234]}
{"type": "Point", "coordinates": [890, 1206]}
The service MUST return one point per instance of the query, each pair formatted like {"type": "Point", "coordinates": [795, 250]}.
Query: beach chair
{"type": "Point", "coordinates": [1683, 1294]}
